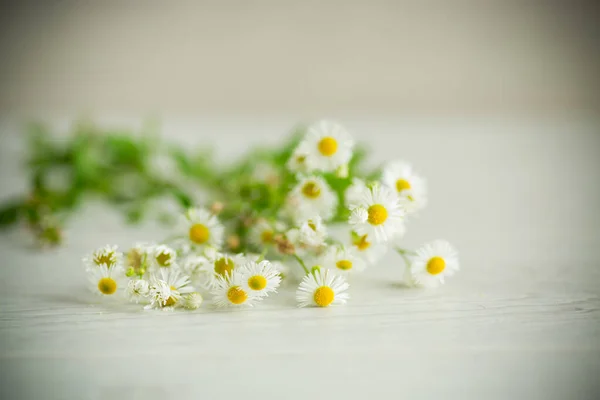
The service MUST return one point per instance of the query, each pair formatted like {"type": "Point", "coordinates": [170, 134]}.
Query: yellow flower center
{"type": "Point", "coordinates": [312, 226]}
{"type": "Point", "coordinates": [266, 236]}
{"type": "Point", "coordinates": [324, 296]}
{"type": "Point", "coordinates": [361, 243]}
{"type": "Point", "coordinates": [377, 214]}
{"type": "Point", "coordinates": [344, 265]}
{"type": "Point", "coordinates": [199, 234]}
{"type": "Point", "coordinates": [104, 259]}
{"type": "Point", "coordinates": [328, 146]}
{"type": "Point", "coordinates": [236, 295]}
{"type": "Point", "coordinates": [402, 184]}
{"type": "Point", "coordinates": [224, 266]}
{"type": "Point", "coordinates": [436, 265]}
{"type": "Point", "coordinates": [257, 282]}
{"type": "Point", "coordinates": [107, 285]}
{"type": "Point", "coordinates": [311, 190]}
{"type": "Point", "coordinates": [163, 259]}
{"type": "Point", "coordinates": [171, 300]}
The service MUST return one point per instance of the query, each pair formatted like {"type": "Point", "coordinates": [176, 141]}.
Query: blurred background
{"type": "Point", "coordinates": [464, 57]}
{"type": "Point", "coordinates": [496, 103]}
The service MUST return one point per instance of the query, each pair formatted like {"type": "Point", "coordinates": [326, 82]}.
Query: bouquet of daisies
{"type": "Point", "coordinates": [277, 226]}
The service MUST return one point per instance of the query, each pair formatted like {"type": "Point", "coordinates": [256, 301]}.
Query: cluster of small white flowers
{"type": "Point", "coordinates": [295, 242]}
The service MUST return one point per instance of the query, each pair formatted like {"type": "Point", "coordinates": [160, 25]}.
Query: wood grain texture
{"type": "Point", "coordinates": [520, 320]}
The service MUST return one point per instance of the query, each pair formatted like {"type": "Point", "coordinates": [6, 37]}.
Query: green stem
{"type": "Point", "coordinates": [262, 255]}
{"type": "Point", "coordinates": [301, 263]}
{"type": "Point", "coordinates": [404, 254]}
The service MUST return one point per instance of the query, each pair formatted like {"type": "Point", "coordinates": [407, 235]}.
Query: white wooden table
{"type": "Point", "coordinates": [520, 200]}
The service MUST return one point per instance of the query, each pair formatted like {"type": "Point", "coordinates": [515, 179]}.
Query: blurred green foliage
{"type": "Point", "coordinates": [129, 170]}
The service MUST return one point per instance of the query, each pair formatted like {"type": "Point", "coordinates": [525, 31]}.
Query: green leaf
{"type": "Point", "coordinates": [9, 214]}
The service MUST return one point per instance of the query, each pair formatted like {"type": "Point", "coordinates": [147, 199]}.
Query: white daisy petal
{"type": "Point", "coordinates": [432, 263]}
{"type": "Point", "coordinates": [322, 288]}
{"type": "Point", "coordinates": [326, 147]}
{"type": "Point", "coordinates": [106, 281]}
{"type": "Point", "coordinates": [229, 292]}
{"type": "Point", "coordinates": [107, 255]}
{"type": "Point", "coordinates": [260, 278]}
{"type": "Point", "coordinates": [203, 229]}
{"type": "Point", "coordinates": [167, 287]}
{"type": "Point", "coordinates": [410, 187]}
{"type": "Point", "coordinates": [378, 214]}
{"type": "Point", "coordinates": [344, 260]}
{"type": "Point", "coordinates": [310, 198]}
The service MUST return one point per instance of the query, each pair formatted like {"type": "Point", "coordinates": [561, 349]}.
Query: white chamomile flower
{"type": "Point", "coordinates": [322, 288]}
{"type": "Point", "coordinates": [344, 260]}
{"type": "Point", "coordinates": [261, 234]}
{"type": "Point", "coordinates": [312, 196]}
{"type": "Point", "coordinates": [433, 262]}
{"type": "Point", "coordinates": [378, 214]}
{"type": "Point", "coordinates": [159, 294]}
{"type": "Point", "coordinates": [354, 192]}
{"type": "Point", "coordinates": [260, 278]}
{"type": "Point", "coordinates": [138, 290]}
{"type": "Point", "coordinates": [203, 228]}
{"type": "Point", "coordinates": [313, 232]}
{"type": "Point", "coordinates": [192, 301]}
{"type": "Point", "coordinates": [297, 162]}
{"type": "Point", "coordinates": [364, 246]}
{"type": "Point", "coordinates": [163, 256]}
{"type": "Point", "coordinates": [167, 288]}
{"type": "Point", "coordinates": [107, 255]}
{"type": "Point", "coordinates": [106, 281]}
{"type": "Point", "coordinates": [222, 264]}
{"type": "Point", "coordinates": [327, 146]}
{"type": "Point", "coordinates": [411, 188]}
{"type": "Point", "coordinates": [229, 291]}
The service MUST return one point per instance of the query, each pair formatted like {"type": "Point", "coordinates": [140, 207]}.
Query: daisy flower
{"type": "Point", "coordinates": [344, 260]}
{"type": "Point", "coordinates": [364, 246]}
{"type": "Point", "coordinates": [411, 188]}
{"type": "Point", "coordinates": [167, 288]}
{"type": "Point", "coordinates": [377, 214]}
{"type": "Point", "coordinates": [204, 229]}
{"type": "Point", "coordinates": [229, 291]}
{"type": "Point", "coordinates": [106, 280]}
{"type": "Point", "coordinates": [322, 288]}
{"type": "Point", "coordinates": [327, 146]}
{"type": "Point", "coordinates": [138, 290]}
{"type": "Point", "coordinates": [261, 234]}
{"type": "Point", "coordinates": [297, 162]}
{"type": "Point", "coordinates": [107, 255]}
{"type": "Point", "coordinates": [313, 232]}
{"type": "Point", "coordinates": [312, 196]}
{"type": "Point", "coordinates": [260, 278]}
{"type": "Point", "coordinates": [354, 192]}
{"type": "Point", "coordinates": [192, 301]}
{"type": "Point", "coordinates": [222, 264]}
{"type": "Point", "coordinates": [433, 263]}
{"type": "Point", "coordinates": [163, 256]}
